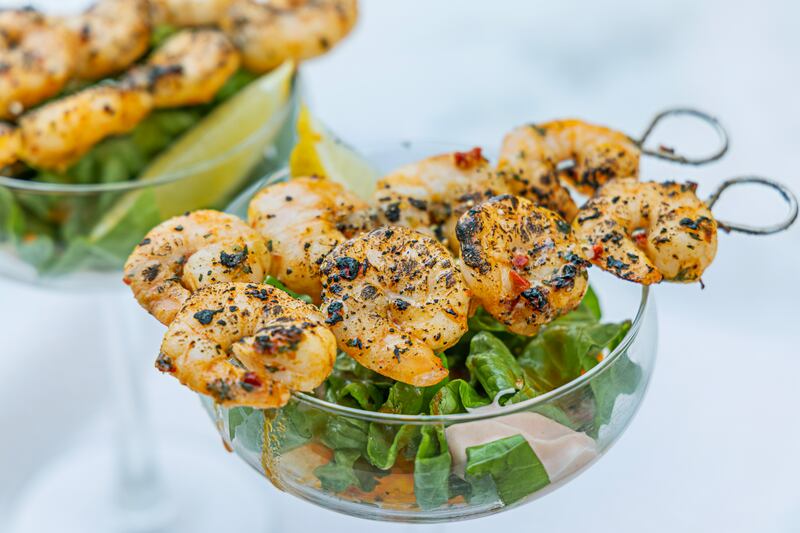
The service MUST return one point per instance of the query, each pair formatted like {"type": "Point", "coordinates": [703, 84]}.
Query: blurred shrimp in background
{"type": "Point", "coordinates": [703, 455]}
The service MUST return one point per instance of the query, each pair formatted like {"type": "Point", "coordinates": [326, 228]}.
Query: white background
{"type": "Point", "coordinates": [715, 446]}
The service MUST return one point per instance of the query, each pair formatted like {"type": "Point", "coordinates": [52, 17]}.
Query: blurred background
{"type": "Point", "coordinates": [714, 447]}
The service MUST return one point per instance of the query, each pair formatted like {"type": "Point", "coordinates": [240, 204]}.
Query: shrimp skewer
{"type": "Point", "coordinates": [302, 220]}
{"type": "Point", "coordinates": [394, 298]}
{"type": "Point", "coordinates": [521, 263]}
{"type": "Point", "coordinates": [57, 134]}
{"type": "Point", "coordinates": [267, 34]}
{"type": "Point", "coordinates": [185, 253]}
{"type": "Point", "coordinates": [36, 59]}
{"type": "Point", "coordinates": [647, 231]}
{"type": "Point", "coordinates": [429, 195]}
{"type": "Point", "coordinates": [188, 69]}
{"type": "Point", "coordinates": [182, 13]}
{"type": "Point", "coordinates": [280, 345]}
{"type": "Point", "coordinates": [530, 156]}
{"type": "Point", "coordinates": [112, 34]}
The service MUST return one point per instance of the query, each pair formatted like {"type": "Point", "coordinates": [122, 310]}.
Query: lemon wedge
{"type": "Point", "coordinates": [214, 158]}
{"type": "Point", "coordinates": [319, 152]}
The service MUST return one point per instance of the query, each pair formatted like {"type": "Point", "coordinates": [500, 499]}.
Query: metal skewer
{"type": "Point", "coordinates": [787, 195]}
{"type": "Point", "coordinates": [668, 154]}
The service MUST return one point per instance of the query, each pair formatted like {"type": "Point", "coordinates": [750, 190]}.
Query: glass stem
{"type": "Point", "coordinates": [139, 491]}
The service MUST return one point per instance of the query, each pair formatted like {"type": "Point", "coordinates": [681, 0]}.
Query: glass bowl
{"type": "Point", "coordinates": [445, 468]}
{"type": "Point", "coordinates": [77, 235]}
{"type": "Point", "coordinates": [88, 231]}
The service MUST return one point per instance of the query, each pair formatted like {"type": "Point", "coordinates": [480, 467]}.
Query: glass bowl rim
{"type": "Point", "coordinates": [393, 418]}
{"type": "Point", "coordinates": [188, 172]}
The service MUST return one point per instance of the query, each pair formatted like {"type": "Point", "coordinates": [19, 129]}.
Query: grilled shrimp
{"type": "Point", "coordinates": [530, 155]}
{"type": "Point", "coordinates": [188, 69]}
{"type": "Point", "coordinates": [184, 13]}
{"type": "Point", "coordinates": [187, 252]}
{"type": "Point", "coordinates": [112, 34]}
{"type": "Point", "coordinates": [36, 59]}
{"type": "Point", "coordinates": [280, 345]}
{"type": "Point", "coordinates": [9, 144]}
{"type": "Point", "coordinates": [267, 34]}
{"type": "Point", "coordinates": [430, 195]}
{"type": "Point", "coordinates": [647, 231]}
{"type": "Point", "coordinates": [302, 220]}
{"type": "Point", "coordinates": [520, 262]}
{"type": "Point", "coordinates": [58, 133]}
{"type": "Point", "coordinates": [395, 298]}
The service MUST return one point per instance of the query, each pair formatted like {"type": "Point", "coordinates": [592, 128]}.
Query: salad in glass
{"type": "Point", "coordinates": [424, 346]}
{"type": "Point", "coordinates": [131, 112]}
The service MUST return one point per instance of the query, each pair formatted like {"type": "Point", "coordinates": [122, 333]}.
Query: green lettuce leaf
{"type": "Point", "coordinates": [622, 377]}
{"type": "Point", "coordinates": [404, 399]}
{"type": "Point", "coordinates": [342, 433]}
{"type": "Point", "coordinates": [491, 363]}
{"type": "Point", "coordinates": [560, 353]}
{"type": "Point", "coordinates": [12, 220]}
{"type": "Point", "coordinates": [386, 441]}
{"type": "Point", "coordinates": [358, 394]}
{"type": "Point", "coordinates": [354, 385]}
{"type": "Point", "coordinates": [432, 469]}
{"type": "Point", "coordinates": [456, 397]}
{"type": "Point", "coordinates": [236, 416]}
{"type": "Point", "coordinates": [248, 429]}
{"type": "Point", "coordinates": [346, 470]}
{"type": "Point", "coordinates": [512, 465]}
{"type": "Point", "coordinates": [296, 424]}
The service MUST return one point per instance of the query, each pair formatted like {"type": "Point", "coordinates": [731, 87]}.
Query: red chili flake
{"type": "Point", "coordinates": [597, 251]}
{"type": "Point", "coordinates": [126, 281]}
{"type": "Point", "coordinates": [466, 160]}
{"type": "Point", "coordinates": [520, 260]}
{"type": "Point", "coordinates": [519, 283]}
{"type": "Point", "coordinates": [251, 380]}
{"type": "Point", "coordinates": [640, 237]}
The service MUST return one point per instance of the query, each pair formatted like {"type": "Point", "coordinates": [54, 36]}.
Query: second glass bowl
{"type": "Point", "coordinates": [77, 235]}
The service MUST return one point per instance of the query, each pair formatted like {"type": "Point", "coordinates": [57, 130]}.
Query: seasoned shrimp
{"type": "Point", "coordinates": [302, 220]}
{"type": "Point", "coordinates": [188, 69]}
{"type": "Point", "coordinates": [430, 195]}
{"type": "Point", "coordinates": [9, 144]}
{"type": "Point", "coordinates": [36, 59]}
{"type": "Point", "coordinates": [188, 252]}
{"type": "Point", "coordinates": [647, 231]}
{"type": "Point", "coordinates": [58, 133]}
{"type": "Point", "coordinates": [112, 35]}
{"type": "Point", "coordinates": [530, 156]}
{"type": "Point", "coordinates": [268, 34]}
{"type": "Point", "coordinates": [395, 298]}
{"type": "Point", "coordinates": [184, 13]}
{"type": "Point", "coordinates": [280, 345]}
{"type": "Point", "coordinates": [520, 262]}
